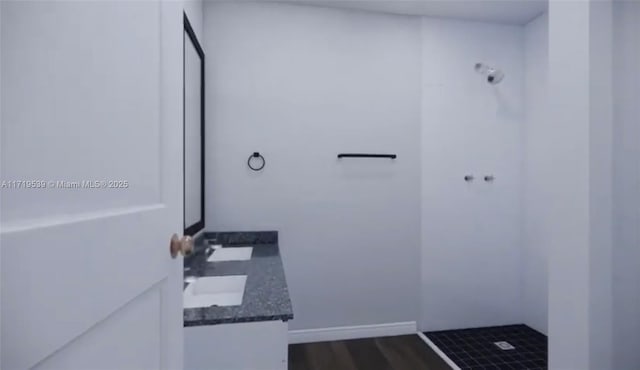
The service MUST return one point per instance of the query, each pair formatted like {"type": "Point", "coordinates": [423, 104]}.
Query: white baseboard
{"type": "Point", "coordinates": [438, 351]}
{"type": "Point", "coordinates": [352, 332]}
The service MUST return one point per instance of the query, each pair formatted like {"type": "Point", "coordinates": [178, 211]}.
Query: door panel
{"type": "Point", "coordinates": [91, 91]}
{"type": "Point", "coordinates": [84, 95]}
{"type": "Point", "coordinates": [102, 347]}
{"type": "Point", "coordinates": [67, 277]}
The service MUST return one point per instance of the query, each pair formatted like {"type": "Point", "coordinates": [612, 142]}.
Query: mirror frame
{"type": "Point", "coordinates": [191, 230]}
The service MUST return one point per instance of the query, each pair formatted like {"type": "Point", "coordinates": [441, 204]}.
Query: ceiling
{"type": "Point", "coordinates": [502, 11]}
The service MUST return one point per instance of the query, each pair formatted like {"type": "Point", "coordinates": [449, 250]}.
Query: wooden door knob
{"type": "Point", "coordinates": [182, 245]}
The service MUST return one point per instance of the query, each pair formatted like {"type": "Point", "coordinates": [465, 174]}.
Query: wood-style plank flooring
{"type": "Point", "coordinates": [405, 352]}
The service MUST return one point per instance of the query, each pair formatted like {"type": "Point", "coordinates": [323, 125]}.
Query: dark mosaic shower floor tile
{"type": "Point", "coordinates": [476, 349]}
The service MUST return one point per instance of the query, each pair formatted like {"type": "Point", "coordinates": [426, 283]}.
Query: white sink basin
{"type": "Point", "coordinates": [215, 291]}
{"type": "Point", "coordinates": [231, 254]}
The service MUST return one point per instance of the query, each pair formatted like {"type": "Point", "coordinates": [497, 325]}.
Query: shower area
{"type": "Point", "coordinates": [515, 199]}
{"type": "Point", "coordinates": [483, 284]}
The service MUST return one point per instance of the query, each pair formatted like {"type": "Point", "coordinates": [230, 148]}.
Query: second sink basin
{"type": "Point", "coordinates": [231, 254]}
{"type": "Point", "coordinates": [215, 291]}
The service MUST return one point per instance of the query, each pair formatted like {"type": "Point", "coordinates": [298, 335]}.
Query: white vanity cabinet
{"type": "Point", "coordinates": [261, 345]}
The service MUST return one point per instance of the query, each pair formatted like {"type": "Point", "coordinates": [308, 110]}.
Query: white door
{"type": "Point", "coordinates": [91, 91]}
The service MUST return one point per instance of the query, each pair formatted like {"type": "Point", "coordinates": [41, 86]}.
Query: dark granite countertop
{"type": "Point", "coordinates": [266, 296]}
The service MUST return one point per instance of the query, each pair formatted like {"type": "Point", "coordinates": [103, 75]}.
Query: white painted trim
{"type": "Point", "coordinates": [61, 220]}
{"type": "Point", "coordinates": [438, 351]}
{"type": "Point", "coordinates": [352, 332]}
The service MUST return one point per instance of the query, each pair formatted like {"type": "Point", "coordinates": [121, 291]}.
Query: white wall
{"type": "Point", "coordinates": [471, 232]}
{"type": "Point", "coordinates": [579, 201]}
{"type": "Point", "coordinates": [601, 185]}
{"type": "Point", "coordinates": [299, 85]}
{"type": "Point", "coordinates": [626, 182]}
{"type": "Point", "coordinates": [626, 258]}
{"type": "Point", "coordinates": [536, 186]}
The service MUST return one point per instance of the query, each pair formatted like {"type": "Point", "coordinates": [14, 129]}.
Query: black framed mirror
{"type": "Point", "coordinates": [193, 130]}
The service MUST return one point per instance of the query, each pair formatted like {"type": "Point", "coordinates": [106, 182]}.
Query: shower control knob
{"type": "Point", "coordinates": [468, 178]}
{"type": "Point", "coordinates": [489, 178]}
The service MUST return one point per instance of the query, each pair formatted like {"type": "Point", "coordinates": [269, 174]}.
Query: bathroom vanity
{"type": "Point", "coordinates": [236, 303]}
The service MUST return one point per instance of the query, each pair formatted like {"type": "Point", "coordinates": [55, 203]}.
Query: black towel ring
{"type": "Point", "coordinates": [256, 155]}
